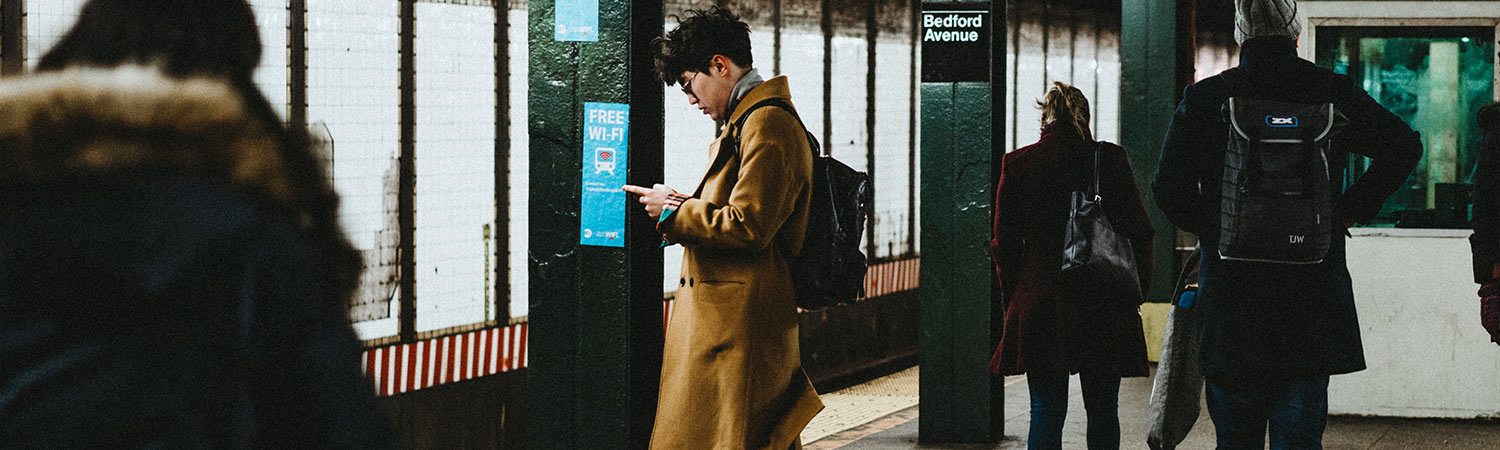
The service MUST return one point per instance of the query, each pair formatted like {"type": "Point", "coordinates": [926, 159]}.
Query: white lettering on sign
{"type": "Point", "coordinates": [607, 116]}
{"type": "Point", "coordinates": [952, 27]}
{"type": "Point", "coordinates": [950, 36]}
{"type": "Point", "coordinates": [606, 133]}
{"type": "Point", "coordinates": [952, 21]}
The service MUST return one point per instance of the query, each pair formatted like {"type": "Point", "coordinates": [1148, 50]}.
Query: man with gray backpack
{"type": "Point", "coordinates": [1253, 164]}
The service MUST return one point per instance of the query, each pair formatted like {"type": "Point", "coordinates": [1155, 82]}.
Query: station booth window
{"type": "Point", "coordinates": [1435, 78]}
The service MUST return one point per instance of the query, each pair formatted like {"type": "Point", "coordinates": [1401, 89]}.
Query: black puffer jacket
{"type": "Point", "coordinates": [1274, 319]}
{"type": "Point", "coordinates": [152, 294]}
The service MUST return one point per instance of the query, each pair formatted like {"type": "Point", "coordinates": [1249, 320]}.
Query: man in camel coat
{"type": "Point", "coordinates": [732, 375]}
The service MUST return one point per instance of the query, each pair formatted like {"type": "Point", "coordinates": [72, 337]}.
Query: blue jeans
{"type": "Point", "coordinates": [1049, 408]}
{"type": "Point", "coordinates": [1296, 410]}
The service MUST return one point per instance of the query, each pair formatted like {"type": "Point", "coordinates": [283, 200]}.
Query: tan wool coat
{"type": "Point", "coordinates": [732, 375]}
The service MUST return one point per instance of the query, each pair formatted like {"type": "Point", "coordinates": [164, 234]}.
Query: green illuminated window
{"type": "Point", "coordinates": [1436, 79]}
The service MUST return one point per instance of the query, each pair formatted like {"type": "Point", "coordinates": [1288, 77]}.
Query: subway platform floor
{"type": "Point", "coordinates": [882, 414]}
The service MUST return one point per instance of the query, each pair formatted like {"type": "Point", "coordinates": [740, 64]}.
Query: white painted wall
{"type": "Point", "coordinates": [1427, 354]}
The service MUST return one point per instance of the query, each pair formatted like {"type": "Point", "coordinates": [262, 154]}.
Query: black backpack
{"type": "Point", "coordinates": [830, 270]}
{"type": "Point", "coordinates": [1277, 187]}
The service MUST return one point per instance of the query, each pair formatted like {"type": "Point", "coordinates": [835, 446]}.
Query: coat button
{"type": "Point", "coordinates": [690, 282]}
{"type": "Point", "coordinates": [682, 281]}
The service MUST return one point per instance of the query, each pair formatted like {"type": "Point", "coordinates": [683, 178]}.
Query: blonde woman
{"type": "Point", "coordinates": [1053, 327]}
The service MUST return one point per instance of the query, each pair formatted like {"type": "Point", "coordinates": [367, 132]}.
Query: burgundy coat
{"type": "Point", "coordinates": [1051, 326]}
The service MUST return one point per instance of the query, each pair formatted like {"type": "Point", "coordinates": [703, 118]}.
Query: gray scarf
{"type": "Point", "coordinates": [748, 81]}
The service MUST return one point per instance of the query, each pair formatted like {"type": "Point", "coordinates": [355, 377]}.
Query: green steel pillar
{"type": "Point", "coordinates": [595, 343]}
{"type": "Point", "coordinates": [1149, 88]}
{"type": "Point", "coordinates": [961, 401]}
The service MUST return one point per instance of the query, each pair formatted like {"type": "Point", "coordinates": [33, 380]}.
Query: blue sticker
{"type": "Point", "coordinates": [606, 134]}
{"type": "Point", "coordinates": [577, 20]}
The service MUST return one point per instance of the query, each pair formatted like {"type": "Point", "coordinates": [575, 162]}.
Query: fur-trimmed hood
{"type": "Point", "coordinates": [88, 121]}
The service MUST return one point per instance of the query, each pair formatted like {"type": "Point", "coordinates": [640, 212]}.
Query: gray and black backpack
{"type": "Point", "coordinates": [1277, 191]}
{"type": "Point", "coordinates": [830, 270]}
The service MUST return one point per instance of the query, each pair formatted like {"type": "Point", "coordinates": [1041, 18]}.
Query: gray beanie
{"type": "Point", "coordinates": [1256, 18]}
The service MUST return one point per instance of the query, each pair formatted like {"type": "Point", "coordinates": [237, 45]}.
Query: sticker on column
{"type": "Point", "coordinates": [576, 20]}
{"type": "Point", "coordinates": [606, 132]}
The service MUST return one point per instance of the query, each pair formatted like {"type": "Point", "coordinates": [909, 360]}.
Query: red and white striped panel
{"type": "Point", "coordinates": [892, 277]}
{"type": "Point", "coordinates": [408, 367]}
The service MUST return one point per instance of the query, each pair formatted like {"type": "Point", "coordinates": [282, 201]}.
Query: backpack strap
{"type": "Point", "coordinates": [1098, 148]}
{"type": "Point", "coordinates": [739, 125]}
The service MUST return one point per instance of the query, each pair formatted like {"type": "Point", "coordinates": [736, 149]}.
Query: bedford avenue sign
{"type": "Point", "coordinates": [955, 43]}
{"type": "Point", "coordinates": [952, 27]}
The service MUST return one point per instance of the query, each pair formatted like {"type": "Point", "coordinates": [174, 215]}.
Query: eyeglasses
{"type": "Point", "coordinates": [687, 86]}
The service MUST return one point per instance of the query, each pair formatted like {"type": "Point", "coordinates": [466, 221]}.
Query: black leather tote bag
{"type": "Point", "coordinates": [1093, 254]}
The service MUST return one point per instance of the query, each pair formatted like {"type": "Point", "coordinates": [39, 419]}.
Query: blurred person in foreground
{"type": "Point", "coordinates": [172, 273]}
{"type": "Point", "coordinates": [1486, 238]}
{"type": "Point", "coordinates": [1058, 323]}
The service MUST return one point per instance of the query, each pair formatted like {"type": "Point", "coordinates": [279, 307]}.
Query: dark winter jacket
{"type": "Point", "coordinates": [1265, 318]}
{"type": "Point", "coordinates": [1053, 326]}
{"type": "Point", "coordinates": [153, 291]}
{"type": "Point", "coordinates": [1486, 238]}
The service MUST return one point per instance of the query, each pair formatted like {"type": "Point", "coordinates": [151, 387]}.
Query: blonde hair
{"type": "Point", "coordinates": [1065, 103]}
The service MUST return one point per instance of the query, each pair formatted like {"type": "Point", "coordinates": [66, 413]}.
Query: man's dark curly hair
{"type": "Point", "coordinates": [701, 34]}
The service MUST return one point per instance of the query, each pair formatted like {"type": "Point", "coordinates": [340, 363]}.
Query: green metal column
{"type": "Point", "coordinates": [961, 401]}
{"type": "Point", "coordinates": [595, 341]}
{"type": "Point", "coordinates": [1148, 91]}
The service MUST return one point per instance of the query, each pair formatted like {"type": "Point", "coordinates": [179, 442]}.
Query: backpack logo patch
{"type": "Point", "coordinates": [1296, 239]}
{"type": "Point", "coordinates": [1281, 121]}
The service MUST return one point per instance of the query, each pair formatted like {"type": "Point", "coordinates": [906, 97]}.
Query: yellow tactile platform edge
{"type": "Point", "coordinates": [858, 405]}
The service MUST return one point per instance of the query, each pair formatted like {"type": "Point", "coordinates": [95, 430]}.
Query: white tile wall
{"type": "Point", "coordinates": [892, 144]}
{"type": "Point", "coordinates": [762, 49]}
{"type": "Point", "coordinates": [689, 133]}
{"type": "Point", "coordinates": [271, 76]}
{"type": "Point", "coordinates": [1088, 66]}
{"type": "Point", "coordinates": [520, 166]}
{"type": "Point", "coordinates": [1085, 67]}
{"type": "Point", "coordinates": [455, 164]}
{"type": "Point", "coordinates": [802, 62]}
{"type": "Point", "coordinates": [46, 22]}
{"type": "Point", "coordinates": [352, 76]}
{"type": "Point", "coordinates": [1030, 86]}
{"type": "Point", "coordinates": [1059, 43]}
{"type": "Point", "coordinates": [1107, 121]}
{"type": "Point", "coordinates": [850, 134]}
